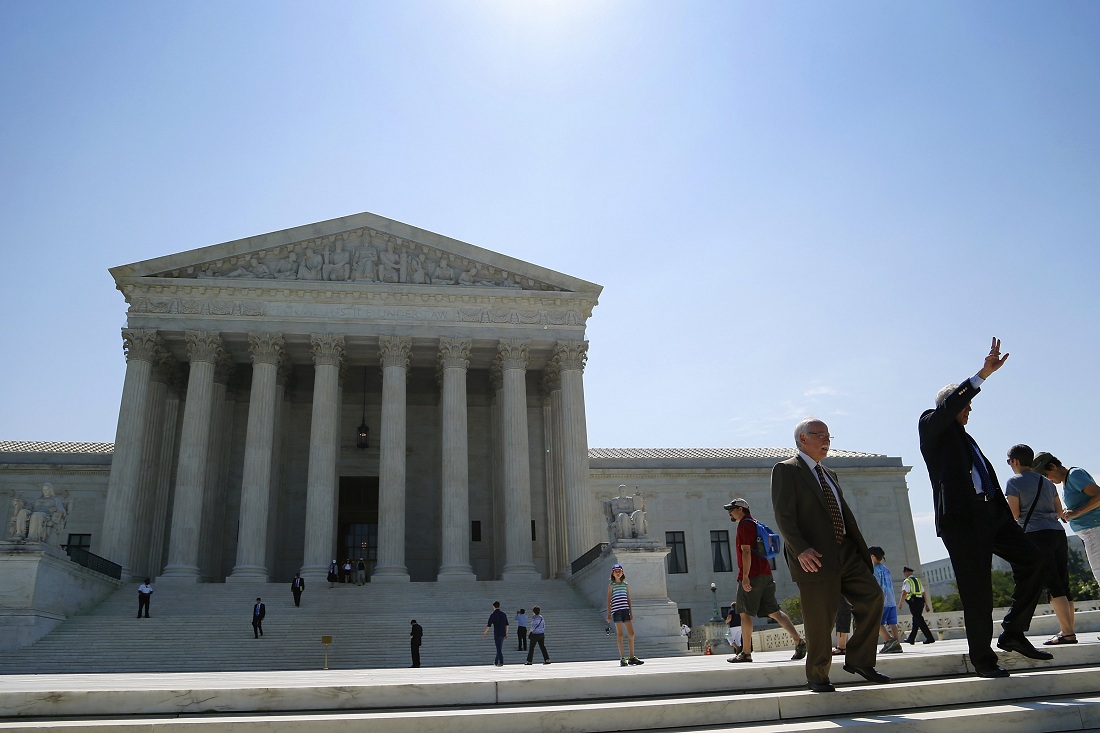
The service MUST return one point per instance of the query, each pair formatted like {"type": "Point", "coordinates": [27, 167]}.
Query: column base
{"type": "Point", "coordinates": [390, 575]}
{"type": "Point", "coordinates": [248, 574]}
{"type": "Point", "coordinates": [520, 572]}
{"type": "Point", "coordinates": [455, 573]}
{"type": "Point", "coordinates": [180, 574]}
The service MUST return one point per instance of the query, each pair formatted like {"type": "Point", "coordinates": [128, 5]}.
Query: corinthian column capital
{"type": "Point", "coordinates": [571, 354]}
{"type": "Point", "coordinates": [204, 346]}
{"type": "Point", "coordinates": [328, 349]}
{"type": "Point", "coordinates": [512, 353]}
{"type": "Point", "coordinates": [454, 353]}
{"type": "Point", "coordinates": [266, 348]}
{"type": "Point", "coordinates": [142, 344]}
{"type": "Point", "coordinates": [394, 351]}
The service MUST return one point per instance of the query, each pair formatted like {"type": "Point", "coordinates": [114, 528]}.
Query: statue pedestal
{"type": "Point", "coordinates": [656, 618]}
{"type": "Point", "coordinates": [42, 587]}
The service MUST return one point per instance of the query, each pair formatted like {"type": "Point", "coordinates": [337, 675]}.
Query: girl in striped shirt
{"type": "Point", "coordinates": [618, 610]}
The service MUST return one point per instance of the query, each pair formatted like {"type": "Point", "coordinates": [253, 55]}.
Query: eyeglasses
{"type": "Point", "coordinates": [823, 436]}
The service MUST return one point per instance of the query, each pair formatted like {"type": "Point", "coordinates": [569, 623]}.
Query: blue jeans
{"type": "Point", "coordinates": [499, 641]}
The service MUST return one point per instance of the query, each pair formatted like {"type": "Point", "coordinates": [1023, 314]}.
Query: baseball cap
{"type": "Point", "coordinates": [736, 502]}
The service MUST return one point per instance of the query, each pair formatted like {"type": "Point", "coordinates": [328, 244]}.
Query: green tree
{"type": "Point", "coordinates": [793, 608]}
{"type": "Point", "coordinates": [1082, 583]}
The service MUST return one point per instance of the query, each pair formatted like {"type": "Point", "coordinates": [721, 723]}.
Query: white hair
{"type": "Point", "coordinates": [801, 429]}
{"type": "Point", "coordinates": [945, 392]}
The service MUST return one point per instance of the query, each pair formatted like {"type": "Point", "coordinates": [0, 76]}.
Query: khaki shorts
{"type": "Point", "coordinates": [760, 601]}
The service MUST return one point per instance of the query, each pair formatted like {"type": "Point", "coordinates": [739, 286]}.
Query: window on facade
{"type": "Point", "coordinates": [720, 551]}
{"type": "Point", "coordinates": [475, 531]}
{"type": "Point", "coordinates": [80, 540]}
{"type": "Point", "coordinates": [676, 561]}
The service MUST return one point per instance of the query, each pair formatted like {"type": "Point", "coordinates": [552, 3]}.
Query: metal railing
{"type": "Point", "coordinates": [587, 558]}
{"type": "Point", "coordinates": [102, 565]}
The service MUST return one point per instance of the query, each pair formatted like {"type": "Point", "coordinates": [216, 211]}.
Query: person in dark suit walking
{"type": "Point", "coordinates": [975, 522]}
{"type": "Point", "coordinates": [416, 635]}
{"type": "Point", "coordinates": [827, 557]}
{"type": "Point", "coordinates": [258, 613]}
{"type": "Point", "coordinates": [296, 587]}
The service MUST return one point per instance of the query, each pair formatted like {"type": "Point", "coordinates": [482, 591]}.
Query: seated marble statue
{"type": "Point", "coordinates": [310, 266]}
{"type": "Point", "coordinates": [389, 265]}
{"type": "Point", "coordinates": [41, 520]}
{"type": "Point", "coordinates": [365, 264]}
{"type": "Point", "coordinates": [444, 274]}
{"type": "Point", "coordinates": [285, 268]}
{"type": "Point", "coordinates": [417, 275]}
{"type": "Point", "coordinates": [626, 518]}
{"type": "Point", "coordinates": [337, 267]}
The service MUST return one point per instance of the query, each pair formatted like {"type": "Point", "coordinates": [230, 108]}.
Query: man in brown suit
{"type": "Point", "coordinates": [827, 557]}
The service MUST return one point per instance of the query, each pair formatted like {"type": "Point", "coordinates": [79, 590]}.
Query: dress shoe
{"type": "Point", "coordinates": [800, 650]}
{"type": "Point", "coordinates": [822, 687]}
{"type": "Point", "coordinates": [929, 641]}
{"type": "Point", "coordinates": [1019, 643]}
{"type": "Point", "coordinates": [867, 673]}
{"type": "Point", "coordinates": [992, 672]}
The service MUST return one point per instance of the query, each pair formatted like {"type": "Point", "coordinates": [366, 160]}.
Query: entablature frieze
{"type": "Point", "coordinates": [570, 312]}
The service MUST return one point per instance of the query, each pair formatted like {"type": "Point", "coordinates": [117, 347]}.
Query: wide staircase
{"type": "Point", "coordinates": [933, 690]}
{"type": "Point", "coordinates": [195, 628]}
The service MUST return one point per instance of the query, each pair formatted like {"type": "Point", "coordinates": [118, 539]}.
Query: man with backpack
{"type": "Point", "coordinates": [756, 587]}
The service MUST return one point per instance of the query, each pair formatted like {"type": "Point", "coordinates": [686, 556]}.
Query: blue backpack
{"type": "Point", "coordinates": [768, 544]}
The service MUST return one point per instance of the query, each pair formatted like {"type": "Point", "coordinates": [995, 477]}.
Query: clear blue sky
{"type": "Point", "coordinates": [794, 208]}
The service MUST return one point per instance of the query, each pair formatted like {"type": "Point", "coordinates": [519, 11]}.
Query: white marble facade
{"type": "Point", "coordinates": [250, 365]}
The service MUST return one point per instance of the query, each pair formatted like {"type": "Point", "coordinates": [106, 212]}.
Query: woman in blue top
{"type": "Point", "coordinates": [1082, 499]}
{"type": "Point", "coordinates": [1035, 505]}
{"type": "Point", "coordinates": [618, 610]}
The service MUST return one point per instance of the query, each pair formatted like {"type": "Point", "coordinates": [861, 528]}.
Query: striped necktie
{"type": "Point", "coordinates": [834, 506]}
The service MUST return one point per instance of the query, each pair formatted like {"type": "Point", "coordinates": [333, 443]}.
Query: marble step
{"type": "Point", "coordinates": [1034, 700]}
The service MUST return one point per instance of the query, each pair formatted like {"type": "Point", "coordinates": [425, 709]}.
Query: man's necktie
{"type": "Point", "coordinates": [979, 464]}
{"type": "Point", "coordinates": [834, 506]}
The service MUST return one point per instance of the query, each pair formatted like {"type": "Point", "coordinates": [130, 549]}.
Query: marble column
{"type": "Point", "coordinates": [158, 525]}
{"type": "Point", "coordinates": [266, 350]}
{"type": "Point", "coordinates": [394, 356]}
{"type": "Point", "coordinates": [142, 554]}
{"type": "Point", "coordinates": [454, 360]}
{"type": "Point", "coordinates": [518, 564]}
{"type": "Point", "coordinates": [557, 531]}
{"type": "Point", "coordinates": [212, 535]}
{"type": "Point", "coordinates": [320, 530]}
{"type": "Point", "coordinates": [583, 513]}
{"type": "Point", "coordinates": [142, 348]}
{"type": "Point", "coordinates": [204, 349]}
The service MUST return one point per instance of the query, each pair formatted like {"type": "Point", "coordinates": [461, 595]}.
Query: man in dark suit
{"type": "Point", "coordinates": [416, 635]}
{"type": "Point", "coordinates": [296, 587]}
{"type": "Point", "coordinates": [974, 521]}
{"type": "Point", "coordinates": [258, 613]}
{"type": "Point", "coordinates": [827, 557]}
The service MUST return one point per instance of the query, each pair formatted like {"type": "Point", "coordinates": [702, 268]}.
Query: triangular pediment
{"type": "Point", "coordinates": [365, 250]}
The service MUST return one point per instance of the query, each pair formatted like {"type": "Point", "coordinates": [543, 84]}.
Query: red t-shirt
{"type": "Point", "coordinates": [746, 535]}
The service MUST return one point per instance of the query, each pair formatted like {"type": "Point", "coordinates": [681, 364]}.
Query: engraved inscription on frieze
{"type": "Point", "coordinates": [362, 256]}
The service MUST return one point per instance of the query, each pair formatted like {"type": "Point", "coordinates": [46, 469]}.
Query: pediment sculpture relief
{"type": "Point", "coordinates": [363, 256]}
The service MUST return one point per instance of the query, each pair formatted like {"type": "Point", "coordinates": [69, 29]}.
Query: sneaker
{"type": "Point", "coordinates": [622, 662]}
{"type": "Point", "coordinates": [737, 658]}
{"type": "Point", "coordinates": [635, 660]}
{"type": "Point", "coordinates": [546, 661]}
{"type": "Point", "coordinates": [887, 647]}
{"type": "Point", "coordinates": [897, 648]}
{"type": "Point", "coordinates": [527, 663]}
{"type": "Point", "coordinates": [800, 650]}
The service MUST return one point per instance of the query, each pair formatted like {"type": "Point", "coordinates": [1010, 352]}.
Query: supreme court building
{"type": "Point", "coordinates": [363, 388]}
{"type": "Point", "coordinates": [353, 388]}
